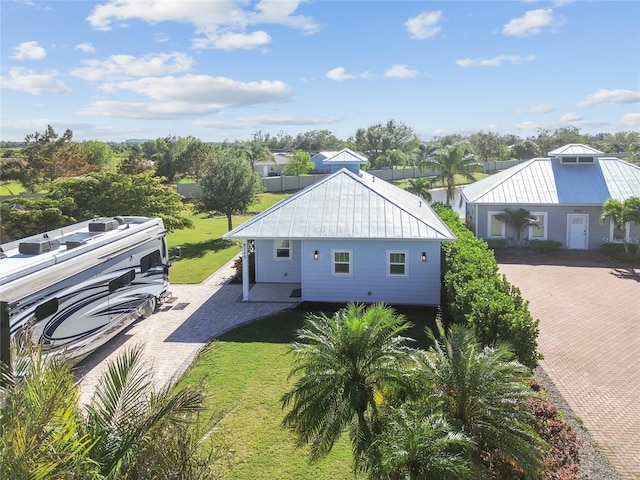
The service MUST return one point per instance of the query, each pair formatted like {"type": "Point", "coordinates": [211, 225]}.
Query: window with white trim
{"type": "Point", "coordinates": [397, 263]}
{"type": "Point", "coordinates": [282, 249]}
{"type": "Point", "coordinates": [495, 227]}
{"type": "Point", "coordinates": [618, 235]}
{"type": "Point", "coordinates": [539, 231]}
{"type": "Point", "coordinates": [341, 262]}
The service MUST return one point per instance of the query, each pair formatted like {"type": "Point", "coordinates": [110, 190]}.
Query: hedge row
{"type": "Point", "coordinates": [477, 294]}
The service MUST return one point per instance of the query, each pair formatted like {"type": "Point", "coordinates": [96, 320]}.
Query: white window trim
{"type": "Point", "coordinates": [504, 227]}
{"type": "Point", "coordinates": [627, 232]}
{"type": "Point", "coordinates": [544, 226]}
{"type": "Point", "coordinates": [333, 263]}
{"type": "Point", "coordinates": [276, 247]}
{"type": "Point", "coordinates": [406, 263]}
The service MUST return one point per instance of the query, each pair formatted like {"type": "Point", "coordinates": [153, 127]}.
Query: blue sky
{"type": "Point", "coordinates": [224, 69]}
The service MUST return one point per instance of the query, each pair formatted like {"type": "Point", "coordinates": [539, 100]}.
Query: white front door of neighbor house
{"type": "Point", "coordinates": [577, 227]}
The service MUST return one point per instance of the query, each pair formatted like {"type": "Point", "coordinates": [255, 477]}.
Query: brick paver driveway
{"type": "Point", "coordinates": [589, 311]}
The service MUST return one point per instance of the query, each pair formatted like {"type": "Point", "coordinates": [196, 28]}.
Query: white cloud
{"type": "Point", "coordinates": [217, 23]}
{"type": "Point", "coordinates": [85, 47]}
{"type": "Point", "coordinates": [531, 23]}
{"type": "Point", "coordinates": [29, 81]}
{"type": "Point", "coordinates": [424, 25]}
{"type": "Point", "coordinates": [527, 126]}
{"type": "Point", "coordinates": [125, 66]}
{"type": "Point", "coordinates": [610, 96]}
{"type": "Point", "coordinates": [542, 108]}
{"type": "Point", "coordinates": [400, 71]}
{"type": "Point", "coordinates": [630, 120]}
{"type": "Point", "coordinates": [495, 61]}
{"type": "Point", "coordinates": [339, 74]}
{"type": "Point", "coordinates": [231, 41]}
{"type": "Point", "coordinates": [578, 121]}
{"type": "Point", "coordinates": [189, 95]}
{"type": "Point", "coordinates": [266, 120]}
{"type": "Point", "coordinates": [570, 117]}
{"type": "Point", "coordinates": [29, 51]}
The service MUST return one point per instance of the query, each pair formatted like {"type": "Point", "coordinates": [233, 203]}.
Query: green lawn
{"type": "Point", "coordinates": [250, 396]}
{"type": "Point", "coordinates": [203, 249]}
{"type": "Point", "coordinates": [11, 188]}
{"type": "Point", "coordinates": [460, 180]}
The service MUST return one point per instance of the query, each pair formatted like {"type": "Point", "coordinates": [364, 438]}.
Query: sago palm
{"type": "Point", "coordinates": [483, 392]}
{"type": "Point", "coordinates": [413, 444]}
{"type": "Point", "coordinates": [40, 421]}
{"type": "Point", "coordinates": [343, 364]}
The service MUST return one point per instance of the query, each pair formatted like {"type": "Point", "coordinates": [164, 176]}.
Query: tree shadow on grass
{"type": "Point", "coordinates": [198, 250]}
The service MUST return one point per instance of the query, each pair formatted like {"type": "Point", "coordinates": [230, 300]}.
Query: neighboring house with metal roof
{"type": "Point", "coordinates": [348, 237]}
{"type": "Point", "coordinates": [330, 162]}
{"type": "Point", "coordinates": [565, 191]}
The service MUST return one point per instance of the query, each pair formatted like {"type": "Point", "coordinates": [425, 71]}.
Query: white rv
{"type": "Point", "coordinates": [76, 287]}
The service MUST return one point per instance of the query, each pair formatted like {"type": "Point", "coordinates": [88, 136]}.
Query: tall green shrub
{"type": "Point", "coordinates": [478, 295]}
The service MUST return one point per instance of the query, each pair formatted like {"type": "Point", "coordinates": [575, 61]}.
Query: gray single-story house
{"type": "Point", "coordinates": [565, 191]}
{"type": "Point", "coordinates": [348, 237]}
{"type": "Point", "coordinates": [274, 165]}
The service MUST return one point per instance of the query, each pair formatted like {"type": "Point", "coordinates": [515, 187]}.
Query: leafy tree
{"type": "Point", "coordinates": [343, 365]}
{"type": "Point", "coordinates": [50, 157]}
{"type": "Point", "coordinates": [299, 164]}
{"type": "Point", "coordinates": [11, 171]}
{"type": "Point", "coordinates": [483, 392]}
{"type": "Point", "coordinates": [110, 194]}
{"type": "Point", "coordinates": [40, 421]}
{"type": "Point", "coordinates": [164, 152]}
{"type": "Point", "coordinates": [525, 149]}
{"type": "Point", "coordinates": [98, 154]}
{"type": "Point", "coordinates": [620, 213]}
{"type": "Point", "coordinates": [24, 217]}
{"type": "Point", "coordinates": [420, 186]}
{"type": "Point", "coordinates": [453, 160]}
{"type": "Point", "coordinates": [228, 187]}
{"type": "Point", "coordinates": [376, 140]}
{"type": "Point", "coordinates": [194, 160]}
{"type": "Point", "coordinates": [318, 141]}
{"type": "Point", "coordinates": [518, 220]}
{"type": "Point", "coordinates": [393, 158]}
{"type": "Point", "coordinates": [487, 146]}
{"type": "Point", "coordinates": [135, 164]}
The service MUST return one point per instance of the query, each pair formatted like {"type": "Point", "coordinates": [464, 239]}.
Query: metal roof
{"type": "Point", "coordinates": [548, 181]}
{"type": "Point", "coordinates": [345, 156]}
{"type": "Point", "coordinates": [575, 149]}
{"type": "Point", "coordinates": [347, 205]}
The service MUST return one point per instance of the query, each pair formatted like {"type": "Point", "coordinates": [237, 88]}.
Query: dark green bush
{"type": "Point", "coordinates": [497, 243]}
{"type": "Point", "coordinates": [545, 245]}
{"type": "Point", "coordinates": [616, 251]}
{"type": "Point", "coordinates": [476, 293]}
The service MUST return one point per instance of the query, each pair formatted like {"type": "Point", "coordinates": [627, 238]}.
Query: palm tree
{"type": "Point", "coordinates": [452, 160]}
{"type": "Point", "coordinates": [483, 392]}
{"type": "Point", "coordinates": [416, 445]}
{"type": "Point", "coordinates": [346, 363]}
{"type": "Point", "coordinates": [620, 213]}
{"type": "Point", "coordinates": [40, 435]}
{"type": "Point", "coordinates": [126, 417]}
{"type": "Point", "coordinates": [518, 220]}
{"type": "Point", "coordinates": [420, 186]}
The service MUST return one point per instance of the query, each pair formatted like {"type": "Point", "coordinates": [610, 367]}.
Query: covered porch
{"type": "Point", "coordinates": [275, 292]}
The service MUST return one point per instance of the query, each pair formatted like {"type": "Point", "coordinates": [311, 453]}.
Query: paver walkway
{"type": "Point", "coordinates": [174, 335]}
{"type": "Point", "coordinates": [589, 317]}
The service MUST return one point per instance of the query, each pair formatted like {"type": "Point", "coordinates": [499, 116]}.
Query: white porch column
{"type": "Point", "coordinates": [245, 270]}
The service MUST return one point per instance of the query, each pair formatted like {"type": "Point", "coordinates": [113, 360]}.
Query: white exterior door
{"type": "Point", "coordinates": [577, 229]}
